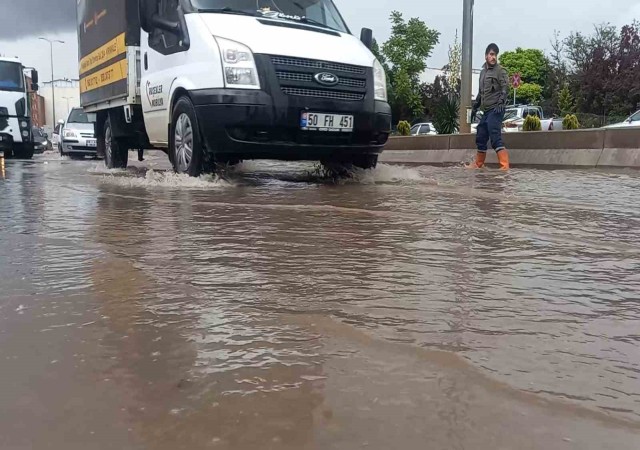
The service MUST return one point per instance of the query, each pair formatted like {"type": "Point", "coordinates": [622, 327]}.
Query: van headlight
{"type": "Point", "coordinates": [69, 134]}
{"type": "Point", "coordinates": [238, 65]}
{"type": "Point", "coordinates": [379, 81]}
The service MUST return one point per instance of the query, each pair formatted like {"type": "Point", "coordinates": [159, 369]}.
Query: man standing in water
{"type": "Point", "coordinates": [491, 99]}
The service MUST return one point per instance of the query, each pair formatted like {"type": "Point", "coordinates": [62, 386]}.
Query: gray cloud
{"type": "Point", "coordinates": [36, 17]}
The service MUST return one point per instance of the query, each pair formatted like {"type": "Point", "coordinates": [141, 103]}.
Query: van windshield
{"type": "Point", "coordinates": [11, 78]}
{"type": "Point", "coordinates": [321, 13]}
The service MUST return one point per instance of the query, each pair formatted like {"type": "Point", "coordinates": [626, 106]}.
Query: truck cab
{"type": "Point", "coordinates": [222, 81]}
{"type": "Point", "coordinates": [16, 137]}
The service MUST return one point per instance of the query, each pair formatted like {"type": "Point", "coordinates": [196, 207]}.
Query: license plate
{"type": "Point", "coordinates": [326, 122]}
{"type": "Point", "coordinates": [92, 143]}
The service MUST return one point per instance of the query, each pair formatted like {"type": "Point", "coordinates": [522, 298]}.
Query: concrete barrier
{"type": "Point", "coordinates": [579, 148]}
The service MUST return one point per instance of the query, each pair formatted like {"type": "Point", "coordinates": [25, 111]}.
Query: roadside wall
{"type": "Point", "coordinates": [580, 148]}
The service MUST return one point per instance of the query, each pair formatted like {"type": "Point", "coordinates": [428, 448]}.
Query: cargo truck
{"type": "Point", "coordinates": [219, 81]}
{"type": "Point", "coordinates": [16, 135]}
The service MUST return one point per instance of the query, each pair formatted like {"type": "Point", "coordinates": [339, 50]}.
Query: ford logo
{"type": "Point", "coordinates": [327, 79]}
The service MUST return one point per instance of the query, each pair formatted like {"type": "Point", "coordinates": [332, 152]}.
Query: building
{"type": "Point", "coordinates": [67, 97]}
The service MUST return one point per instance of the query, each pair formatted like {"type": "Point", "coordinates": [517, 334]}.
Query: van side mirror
{"type": "Point", "coordinates": [366, 36]}
{"type": "Point", "coordinates": [164, 24]}
{"type": "Point", "coordinates": [35, 87]}
{"type": "Point", "coordinates": [34, 77]}
{"type": "Point", "coordinates": [146, 10]}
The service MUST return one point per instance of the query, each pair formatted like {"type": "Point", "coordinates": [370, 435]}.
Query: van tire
{"type": "Point", "coordinates": [187, 151]}
{"type": "Point", "coordinates": [116, 155]}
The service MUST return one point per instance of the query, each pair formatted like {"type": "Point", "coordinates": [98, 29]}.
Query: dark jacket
{"type": "Point", "coordinates": [494, 88]}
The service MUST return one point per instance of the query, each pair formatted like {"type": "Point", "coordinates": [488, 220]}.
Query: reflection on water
{"type": "Point", "coordinates": [270, 307]}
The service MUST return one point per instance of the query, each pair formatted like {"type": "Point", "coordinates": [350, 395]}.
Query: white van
{"type": "Point", "coordinates": [219, 81]}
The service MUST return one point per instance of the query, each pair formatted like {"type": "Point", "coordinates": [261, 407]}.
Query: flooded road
{"type": "Point", "coordinates": [272, 308]}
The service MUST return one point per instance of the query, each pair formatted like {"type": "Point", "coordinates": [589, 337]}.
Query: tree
{"type": "Point", "coordinates": [530, 63]}
{"type": "Point", "coordinates": [558, 76]}
{"type": "Point", "coordinates": [432, 94]}
{"type": "Point", "coordinates": [529, 93]}
{"type": "Point", "coordinates": [405, 57]}
{"type": "Point", "coordinates": [605, 67]}
{"type": "Point", "coordinates": [566, 103]}
{"type": "Point", "coordinates": [453, 70]}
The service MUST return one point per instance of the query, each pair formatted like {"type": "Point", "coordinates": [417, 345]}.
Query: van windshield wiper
{"type": "Point", "coordinates": [315, 22]}
{"type": "Point", "coordinates": [227, 10]}
{"type": "Point", "coordinates": [302, 19]}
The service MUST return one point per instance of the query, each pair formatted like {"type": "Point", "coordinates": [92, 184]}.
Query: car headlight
{"type": "Point", "coordinates": [69, 134]}
{"type": "Point", "coordinates": [379, 81]}
{"type": "Point", "coordinates": [238, 65]}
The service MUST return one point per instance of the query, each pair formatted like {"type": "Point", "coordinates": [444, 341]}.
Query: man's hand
{"type": "Point", "coordinates": [474, 114]}
{"type": "Point", "coordinates": [499, 109]}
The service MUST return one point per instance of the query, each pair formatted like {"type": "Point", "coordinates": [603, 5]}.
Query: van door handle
{"type": "Point", "coordinates": [146, 61]}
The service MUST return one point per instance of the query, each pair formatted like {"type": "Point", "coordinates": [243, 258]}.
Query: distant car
{"type": "Point", "coordinates": [78, 135]}
{"type": "Point", "coordinates": [630, 122]}
{"type": "Point", "coordinates": [423, 129]}
{"type": "Point", "coordinates": [40, 141]}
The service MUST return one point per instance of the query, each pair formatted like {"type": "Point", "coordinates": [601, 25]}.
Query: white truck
{"type": "Point", "coordinates": [515, 115]}
{"type": "Point", "coordinates": [220, 81]}
{"type": "Point", "coordinates": [16, 135]}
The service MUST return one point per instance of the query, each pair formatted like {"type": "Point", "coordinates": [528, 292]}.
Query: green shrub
{"type": "Point", "coordinates": [532, 123]}
{"type": "Point", "coordinates": [570, 122]}
{"type": "Point", "coordinates": [445, 118]}
{"type": "Point", "coordinates": [404, 128]}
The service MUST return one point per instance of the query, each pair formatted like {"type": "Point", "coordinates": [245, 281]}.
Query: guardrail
{"type": "Point", "coordinates": [579, 148]}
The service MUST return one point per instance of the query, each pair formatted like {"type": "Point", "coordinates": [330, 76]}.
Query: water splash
{"type": "Point", "coordinates": [154, 178]}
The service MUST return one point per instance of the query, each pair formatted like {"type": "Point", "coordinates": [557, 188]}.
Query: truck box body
{"type": "Point", "coordinates": [108, 42]}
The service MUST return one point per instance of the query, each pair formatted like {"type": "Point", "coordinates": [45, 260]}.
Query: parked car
{"type": "Point", "coordinates": [514, 118]}
{"type": "Point", "coordinates": [423, 129]}
{"type": "Point", "coordinates": [631, 121]}
{"type": "Point", "coordinates": [40, 140]}
{"type": "Point", "coordinates": [78, 135]}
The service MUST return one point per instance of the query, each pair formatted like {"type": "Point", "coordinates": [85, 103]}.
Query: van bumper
{"type": "Point", "coordinates": [252, 125]}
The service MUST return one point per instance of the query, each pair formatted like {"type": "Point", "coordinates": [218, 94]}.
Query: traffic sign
{"type": "Point", "coordinates": [516, 80]}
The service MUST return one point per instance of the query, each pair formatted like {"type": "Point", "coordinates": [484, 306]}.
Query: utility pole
{"type": "Point", "coordinates": [53, 89]}
{"type": "Point", "coordinates": [467, 64]}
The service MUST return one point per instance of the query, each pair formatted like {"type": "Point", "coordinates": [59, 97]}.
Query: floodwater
{"type": "Point", "coordinates": [270, 307]}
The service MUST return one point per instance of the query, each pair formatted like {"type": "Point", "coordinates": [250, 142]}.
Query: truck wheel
{"type": "Point", "coordinates": [185, 144]}
{"type": "Point", "coordinates": [116, 156]}
{"type": "Point", "coordinates": [23, 152]}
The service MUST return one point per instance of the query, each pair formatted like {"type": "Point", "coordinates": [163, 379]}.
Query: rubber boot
{"type": "Point", "coordinates": [503, 158]}
{"type": "Point", "coordinates": [479, 162]}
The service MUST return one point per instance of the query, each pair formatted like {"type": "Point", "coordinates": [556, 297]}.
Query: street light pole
{"type": "Point", "coordinates": [53, 89]}
{"type": "Point", "coordinates": [467, 64]}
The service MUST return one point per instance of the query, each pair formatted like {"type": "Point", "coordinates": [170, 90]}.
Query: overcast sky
{"type": "Point", "coordinates": [509, 23]}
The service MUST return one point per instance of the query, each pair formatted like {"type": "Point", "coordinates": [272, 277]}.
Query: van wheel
{"type": "Point", "coordinates": [185, 143]}
{"type": "Point", "coordinates": [116, 156]}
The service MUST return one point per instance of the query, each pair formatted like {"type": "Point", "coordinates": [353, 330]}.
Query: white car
{"type": "Point", "coordinates": [632, 121]}
{"type": "Point", "coordinates": [423, 129]}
